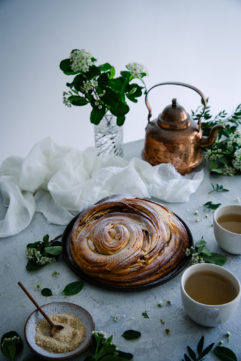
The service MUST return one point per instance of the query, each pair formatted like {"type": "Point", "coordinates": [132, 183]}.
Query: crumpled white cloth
{"type": "Point", "coordinates": [60, 182]}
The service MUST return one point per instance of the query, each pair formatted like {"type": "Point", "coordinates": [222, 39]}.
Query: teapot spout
{"type": "Point", "coordinates": [207, 141]}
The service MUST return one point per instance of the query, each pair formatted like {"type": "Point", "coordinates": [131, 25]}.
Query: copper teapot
{"type": "Point", "coordinates": [174, 137]}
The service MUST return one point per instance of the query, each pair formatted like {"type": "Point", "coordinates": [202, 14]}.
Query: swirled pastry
{"type": "Point", "coordinates": [126, 242]}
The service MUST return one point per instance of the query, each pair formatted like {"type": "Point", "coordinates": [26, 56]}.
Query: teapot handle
{"type": "Point", "coordinates": [181, 84]}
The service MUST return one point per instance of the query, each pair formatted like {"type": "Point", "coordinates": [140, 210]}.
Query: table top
{"type": "Point", "coordinates": [104, 304]}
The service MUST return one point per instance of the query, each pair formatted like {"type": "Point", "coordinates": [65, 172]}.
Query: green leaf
{"type": "Point", "coordinates": [112, 358]}
{"type": "Point", "coordinates": [120, 120]}
{"type": "Point", "coordinates": [46, 292]}
{"type": "Point", "coordinates": [125, 355]}
{"type": "Point", "coordinates": [212, 205]}
{"type": "Point", "coordinates": [105, 67]}
{"type": "Point", "coordinates": [186, 357]}
{"type": "Point", "coordinates": [112, 73]}
{"type": "Point", "coordinates": [11, 345]}
{"type": "Point", "coordinates": [119, 109]}
{"type": "Point", "coordinates": [206, 350]}
{"type": "Point", "coordinates": [118, 84]}
{"type": "Point", "coordinates": [96, 115]}
{"type": "Point", "coordinates": [131, 335]}
{"type": "Point", "coordinates": [145, 314]}
{"type": "Point", "coordinates": [215, 258]}
{"type": "Point", "coordinates": [54, 250]}
{"type": "Point", "coordinates": [218, 188]}
{"type": "Point", "coordinates": [103, 80]}
{"type": "Point", "coordinates": [191, 353]}
{"type": "Point", "coordinates": [131, 98]}
{"type": "Point", "coordinates": [77, 82]}
{"type": "Point", "coordinates": [77, 100]}
{"type": "Point", "coordinates": [32, 266]}
{"type": "Point", "coordinates": [92, 73]}
{"type": "Point", "coordinates": [46, 239]}
{"type": "Point", "coordinates": [126, 74]}
{"type": "Point", "coordinates": [73, 288]}
{"type": "Point", "coordinates": [33, 358]}
{"type": "Point", "coordinates": [65, 66]}
{"type": "Point", "coordinates": [200, 345]}
{"type": "Point", "coordinates": [225, 354]}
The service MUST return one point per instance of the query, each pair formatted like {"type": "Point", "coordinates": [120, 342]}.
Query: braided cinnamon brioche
{"type": "Point", "coordinates": [127, 242]}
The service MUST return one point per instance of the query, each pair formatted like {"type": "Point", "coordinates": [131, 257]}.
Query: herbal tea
{"type": "Point", "coordinates": [210, 288]}
{"type": "Point", "coordinates": [231, 222]}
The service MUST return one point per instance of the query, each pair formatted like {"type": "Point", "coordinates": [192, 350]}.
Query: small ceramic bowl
{"type": "Point", "coordinates": [51, 309]}
{"type": "Point", "coordinates": [209, 315]}
{"type": "Point", "coordinates": [227, 240]}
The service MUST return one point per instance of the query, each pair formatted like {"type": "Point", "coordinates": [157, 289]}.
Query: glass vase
{"type": "Point", "coordinates": [108, 136]}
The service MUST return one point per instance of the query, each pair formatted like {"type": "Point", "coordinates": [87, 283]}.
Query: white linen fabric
{"type": "Point", "coordinates": [60, 182]}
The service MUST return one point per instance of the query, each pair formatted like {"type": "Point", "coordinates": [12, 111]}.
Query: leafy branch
{"type": "Point", "coordinates": [98, 86]}
{"type": "Point", "coordinates": [222, 353]}
{"type": "Point", "coordinates": [43, 252]}
{"type": "Point", "coordinates": [103, 349]}
{"type": "Point", "coordinates": [211, 205]}
{"type": "Point", "coordinates": [218, 188]}
{"type": "Point", "coordinates": [200, 353]}
{"type": "Point", "coordinates": [201, 254]}
{"type": "Point", "coordinates": [224, 156]}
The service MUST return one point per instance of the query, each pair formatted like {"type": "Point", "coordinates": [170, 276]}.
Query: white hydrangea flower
{"type": "Point", "coordinates": [136, 69]}
{"type": "Point", "coordinates": [81, 60]}
{"type": "Point", "coordinates": [237, 159]}
{"type": "Point", "coordinates": [66, 100]}
{"type": "Point", "coordinates": [227, 170]}
{"type": "Point", "coordinates": [234, 140]}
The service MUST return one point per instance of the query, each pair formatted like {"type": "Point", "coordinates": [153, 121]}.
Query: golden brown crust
{"type": "Point", "coordinates": [126, 242]}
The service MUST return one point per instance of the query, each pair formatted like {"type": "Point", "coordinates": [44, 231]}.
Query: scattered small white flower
{"type": "Point", "coordinates": [196, 212]}
{"type": "Point", "coordinates": [115, 318]}
{"type": "Point", "coordinates": [136, 70]}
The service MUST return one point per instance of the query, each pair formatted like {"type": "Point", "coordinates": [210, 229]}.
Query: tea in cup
{"type": "Point", "coordinates": [227, 228]}
{"type": "Point", "coordinates": [210, 293]}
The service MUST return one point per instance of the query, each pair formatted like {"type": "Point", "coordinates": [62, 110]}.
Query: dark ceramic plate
{"type": "Point", "coordinates": [82, 275]}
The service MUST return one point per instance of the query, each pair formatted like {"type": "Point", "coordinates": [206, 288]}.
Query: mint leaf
{"type": "Point", "coordinates": [54, 250]}
{"type": "Point", "coordinates": [46, 292]}
{"type": "Point", "coordinates": [215, 258]}
{"type": "Point", "coordinates": [73, 288]}
{"type": "Point", "coordinates": [225, 354]}
{"type": "Point", "coordinates": [131, 335]}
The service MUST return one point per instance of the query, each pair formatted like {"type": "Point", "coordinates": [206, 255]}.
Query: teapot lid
{"type": "Point", "coordinates": [174, 116]}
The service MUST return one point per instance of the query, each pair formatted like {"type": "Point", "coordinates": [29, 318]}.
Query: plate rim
{"type": "Point", "coordinates": [70, 354]}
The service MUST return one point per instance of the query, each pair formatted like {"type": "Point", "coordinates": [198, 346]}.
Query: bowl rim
{"type": "Point", "coordinates": [65, 357]}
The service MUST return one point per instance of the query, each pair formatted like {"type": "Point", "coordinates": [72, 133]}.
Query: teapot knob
{"type": "Point", "coordinates": [174, 101]}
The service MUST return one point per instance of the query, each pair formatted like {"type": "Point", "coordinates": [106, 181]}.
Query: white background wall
{"type": "Point", "coordinates": [197, 42]}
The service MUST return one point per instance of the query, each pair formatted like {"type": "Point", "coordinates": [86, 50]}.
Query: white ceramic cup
{"type": "Point", "coordinates": [203, 314]}
{"type": "Point", "coordinates": [227, 240]}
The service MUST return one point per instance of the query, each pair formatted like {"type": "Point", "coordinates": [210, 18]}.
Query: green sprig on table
{"type": "Point", "coordinates": [211, 205]}
{"type": "Point", "coordinates": [11, 345]}
{"type": "Point", "coordinates": [201, 254]}
{"type": "Point", "coordinates": [103, 349]}
{"type": "Point", "coordinates": [224, 156]}
{"type": "Point", "coordinates": [43, 252]}
{"type": "Point", "coordinates": [218, 188]}
{"type": "Point", "coordinates": [222, 353]}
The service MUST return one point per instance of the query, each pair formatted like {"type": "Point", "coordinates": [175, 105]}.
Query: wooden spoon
{"type": "Point", "coordinates": [53, 327]}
